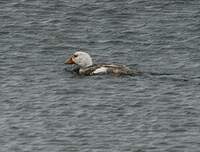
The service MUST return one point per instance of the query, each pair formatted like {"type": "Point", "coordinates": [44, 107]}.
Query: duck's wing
{"type": "Point", "coordinates": [91, 70]}
{"type": "Point", "coordinates": [122, 70]}
{"type": "Point", "coordinates": [110, 69]}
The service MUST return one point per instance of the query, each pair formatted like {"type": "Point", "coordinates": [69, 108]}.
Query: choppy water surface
{"type": "Point", "coordinates": [43, 107]}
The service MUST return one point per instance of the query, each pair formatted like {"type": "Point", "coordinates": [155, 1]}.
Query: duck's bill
{"type": "Point", "coordinates": [69, 61]}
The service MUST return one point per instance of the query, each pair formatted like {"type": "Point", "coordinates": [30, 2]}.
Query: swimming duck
{"type": "Point", "coordinates": [86, 66]}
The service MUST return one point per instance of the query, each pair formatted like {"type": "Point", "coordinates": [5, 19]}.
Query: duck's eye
{"type": "Point", "coordinates": [75, 55]}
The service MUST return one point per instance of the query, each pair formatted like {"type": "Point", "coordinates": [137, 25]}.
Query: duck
{"type": "Point", "coordinates": [86, 67]}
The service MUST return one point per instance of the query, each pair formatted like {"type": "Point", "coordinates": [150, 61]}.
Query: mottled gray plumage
{"type": "Point", "coordinates": [111, 69]}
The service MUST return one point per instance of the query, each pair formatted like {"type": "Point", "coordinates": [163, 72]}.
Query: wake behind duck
{"type": "Point", "coordinates": [86, 66]}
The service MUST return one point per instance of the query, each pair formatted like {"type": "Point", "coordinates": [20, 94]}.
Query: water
{"type": "Point", "coordinates": [43, 107]}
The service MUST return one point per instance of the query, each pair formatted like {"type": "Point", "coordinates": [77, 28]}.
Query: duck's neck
{"type": "Point", "coordinates": [89, 64]}
{"type": "Point", "coordinates": [86, 64]}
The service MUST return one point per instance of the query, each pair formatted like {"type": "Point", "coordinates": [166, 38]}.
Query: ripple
{"type": "Point", "coordinates": [47, 108]}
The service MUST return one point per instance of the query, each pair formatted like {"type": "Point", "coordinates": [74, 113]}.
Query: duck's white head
{"type": "Point", "coordinates": [80, 58]}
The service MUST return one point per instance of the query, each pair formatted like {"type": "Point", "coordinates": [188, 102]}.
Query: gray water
{"type": "Point", "coordinates": [46, 108]}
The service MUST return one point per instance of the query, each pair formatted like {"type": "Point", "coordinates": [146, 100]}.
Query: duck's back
{"type": "Point", "coordinates": [108, 69]}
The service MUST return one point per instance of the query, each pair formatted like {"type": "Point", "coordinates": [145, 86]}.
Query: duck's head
{"type": "Point", "coordinates": [80, 58]}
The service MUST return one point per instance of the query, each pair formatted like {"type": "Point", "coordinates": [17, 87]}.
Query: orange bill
{"type": "Point", "coordinates": [69, 61]}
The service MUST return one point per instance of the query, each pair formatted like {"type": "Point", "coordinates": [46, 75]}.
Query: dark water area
{"type": "Point", "coordinates": [44, 107]}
